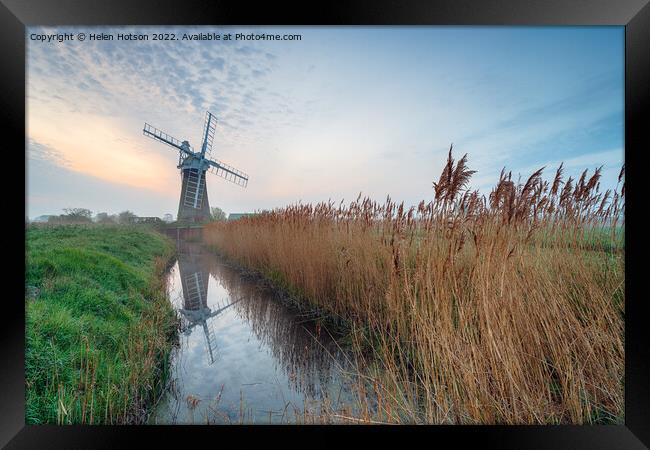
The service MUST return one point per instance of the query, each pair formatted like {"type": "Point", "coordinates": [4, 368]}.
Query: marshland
{"type": "Point", "coordinates": [502, 308]}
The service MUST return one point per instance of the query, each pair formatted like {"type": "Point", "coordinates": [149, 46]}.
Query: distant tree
{"type": "Point", "coordinates": [78, 212]}
{"type": "Point", "coordinates": [218, 214]}
{"type": "Point", "coordinates": [168, 218]}
{"type": "Point", "coordinates": [76, 215]}
{"type": "Point", "coordinates": [103, 217]}
{"type": "Point", "coordinates": [126, 217]}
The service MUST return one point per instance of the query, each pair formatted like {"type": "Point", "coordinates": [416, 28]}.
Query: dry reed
{"type": "Point", "coordinates": [500, 309]}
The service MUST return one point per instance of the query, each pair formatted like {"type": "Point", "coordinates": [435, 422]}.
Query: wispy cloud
{"type": "Point", "coordinates": [42, 152]}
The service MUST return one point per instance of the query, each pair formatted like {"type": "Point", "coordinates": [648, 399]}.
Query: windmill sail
{"type": "Point", "coordinates": [209, 340]}
{"type": "Point", "coordinates": [221, 309]}
{"type": "Point", "coordinates": [158, 135]}
{"type": "Point", "coordinates": [228, 172]}
{"type": "Point", "coordinates": [195, 186]}
{"type": "Point", "coordinates": [208, 133]}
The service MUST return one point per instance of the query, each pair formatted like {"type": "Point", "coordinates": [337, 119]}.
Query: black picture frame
{"type": "Point", "coordinates": [15, 15]}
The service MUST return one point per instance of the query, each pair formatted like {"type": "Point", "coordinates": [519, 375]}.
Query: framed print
{"type": "Point", "coordinates": [362, 219]}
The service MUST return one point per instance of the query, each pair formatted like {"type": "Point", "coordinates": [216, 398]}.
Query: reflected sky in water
{"type": "Point", "coordinates": [243, 355]}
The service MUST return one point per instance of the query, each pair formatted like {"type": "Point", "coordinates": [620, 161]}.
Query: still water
{"type": "Point", "coordinates": [245, 357]}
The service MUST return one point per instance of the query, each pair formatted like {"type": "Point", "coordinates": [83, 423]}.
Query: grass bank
{"type": "Point", "coordinates": [507, 308]}
{"type": "Point", "coordinates": [99, 328]}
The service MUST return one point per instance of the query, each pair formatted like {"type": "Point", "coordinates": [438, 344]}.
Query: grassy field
{"type": "Point", "coordinates": [507, 308]}
{"type": "Point", "coordinates": [99, 327]}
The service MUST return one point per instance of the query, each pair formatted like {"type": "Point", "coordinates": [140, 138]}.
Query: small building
{"type": "Point", "coordinates": [149, 220]}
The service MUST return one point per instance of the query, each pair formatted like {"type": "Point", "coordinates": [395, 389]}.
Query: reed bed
{"type": "Point", "coordinates": [506, 308]}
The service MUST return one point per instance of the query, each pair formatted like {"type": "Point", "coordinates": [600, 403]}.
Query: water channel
{"type": "Point", "coordinates": [243, 355]}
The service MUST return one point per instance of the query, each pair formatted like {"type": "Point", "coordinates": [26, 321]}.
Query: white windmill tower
{"type": "Point", "coordinates": [193, 205]}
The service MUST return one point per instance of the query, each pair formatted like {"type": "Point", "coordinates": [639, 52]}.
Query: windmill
{"type": "Point", "coordinates": [197, 309]}
{"type": "Point", "coordinates": [193, 205]}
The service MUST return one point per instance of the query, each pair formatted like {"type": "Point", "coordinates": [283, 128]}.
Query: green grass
{"type": "Point", "coordinates": [606, 238]}
{"type": "Point", "coordinates": [99, 328]}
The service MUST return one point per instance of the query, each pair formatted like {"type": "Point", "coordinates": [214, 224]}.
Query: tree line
{"type": "Point", "coordinates": [84, 215]}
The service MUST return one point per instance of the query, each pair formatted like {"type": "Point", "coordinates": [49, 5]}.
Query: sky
{"type": "Point", "coordinates": [342, 111]}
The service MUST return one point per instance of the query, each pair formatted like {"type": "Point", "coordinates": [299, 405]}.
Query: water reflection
{"type": "Point", "coordinates": [194, 275]}
{"type": "Point", "coordinates": [243, 355]}
{"type": "Point", "coordinates": [305, 351]}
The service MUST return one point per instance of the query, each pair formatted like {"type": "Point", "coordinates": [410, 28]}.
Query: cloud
{"type": "Point", "coordinates": [40, 152]}
{"type": "Point", "coordinates": [167, 85]}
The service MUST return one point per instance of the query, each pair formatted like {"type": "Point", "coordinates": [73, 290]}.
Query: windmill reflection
{"type": "Point", "coordinates": [194, 274]}
{"type": "Point", "coordinates": [272, 359]}
{"type": "Point", "coordinates": [308, 355]}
